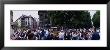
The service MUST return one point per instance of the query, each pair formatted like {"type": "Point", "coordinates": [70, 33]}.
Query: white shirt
{"type": "Point", "coordinates": [35, 33]}
{"type": "Point", "coordinates": [74, 35]}
{"type": "Point", "coordinates": [61, 35]}
{"type": "Point", "coordinates": [46, 34]}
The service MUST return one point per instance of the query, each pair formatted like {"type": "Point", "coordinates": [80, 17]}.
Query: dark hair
{"type": "Point", "coordinates": [30, 36]}
{"type": "Point", "coordinates": [95, 29]}
{"type": "Point", "coordinates": [29, 31]}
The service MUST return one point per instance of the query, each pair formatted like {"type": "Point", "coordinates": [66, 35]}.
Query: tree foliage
{"type": "Point", "coordinates": [96, 19]}
{"type": "Point", "coordinates": [70, 19]}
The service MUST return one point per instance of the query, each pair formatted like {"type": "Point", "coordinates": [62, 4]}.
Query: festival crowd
{"type": "Point", "coordinates": [55, 34]}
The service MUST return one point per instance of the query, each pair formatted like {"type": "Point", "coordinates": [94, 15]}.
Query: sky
{"type": "Point", "coordinates": [33, 13]}
{"type": "Point", "coordinates": [17, 14]}
{"type": "Point", "coordinates": [92, 12]}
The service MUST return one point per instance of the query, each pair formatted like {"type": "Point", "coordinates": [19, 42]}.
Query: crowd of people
{"type": "Point", "coordinates": [55, 34]}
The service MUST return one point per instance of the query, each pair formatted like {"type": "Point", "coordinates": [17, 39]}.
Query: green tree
{"type": "Point", "coordinates": [96, 19]}
{"type": "Point", "coordinates": [70, 19]}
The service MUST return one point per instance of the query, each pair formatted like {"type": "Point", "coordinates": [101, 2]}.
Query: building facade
{"type": "Point", "coordinates": [26, 22]}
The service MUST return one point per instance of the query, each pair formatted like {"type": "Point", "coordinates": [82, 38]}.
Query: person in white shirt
{"type": "Point", "coordinates": [47, 33]}
{"type": "Point", "coordinates": [61, 35]}
{"type": "Point", "coordinates": [75, 35]}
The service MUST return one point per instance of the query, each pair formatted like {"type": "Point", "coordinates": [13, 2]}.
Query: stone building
{"type": "Point", "coordinates": [26, 22]}
{"type": "Point", "coordinates": [11, 20]}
